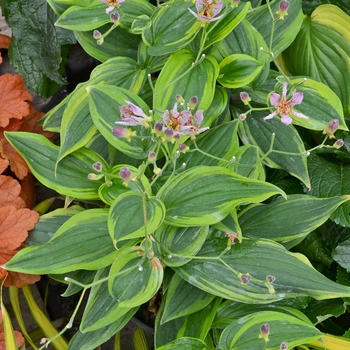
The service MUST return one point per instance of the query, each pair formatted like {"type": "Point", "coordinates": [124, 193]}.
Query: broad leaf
{"type": "Point", "coordinates": [319, 310]}
{"type": "Point", "coordinates": [102, 309]}
{"type": "Point", "coordinates": [329, 179]}
{"type": "Point", "coordinates": [238, 70]}
{"type": "Point", "coordinates": [181, 76]}
{"type": "Point", "coordinates": [105, 101]}
{"type": "Point", "coordinates": [134, 279]}
{"type": "Point", "coordinates": [220, 191]}
{"type": "Point", "coordinates": [341, 255]}
{"type": "Point", "coordinates": [82, 242]}
{"type": "Point", "coordinates": [280, 145]}
{"type": "Point", "coordinates": [243, 334]}
{"type": "Point", "coordinates": [181, 243]}
{"type": "Point", "coordinates": [276, 220]}
{"type": "Point", "coordinates": [35, 50]}
{"type": "Point", "coordinates": [132, 216]}
{"type": "Point", "coordinates": [173, 27]}
{"type": "Point", "coordinates": [294, 276]}
{"type": "Point", "coordinates": [284, 31]}
{"type": "Point", "coordinates": [69, 177]}
{"type": "Point", "coordinates": [184, 343]}
{"type": "Point", "coordinates": [325, 58]}
{"type": "Point", "coordinates": [183, 299]}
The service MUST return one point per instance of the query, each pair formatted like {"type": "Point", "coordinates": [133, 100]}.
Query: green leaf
{"type": "Point", "coordinates": [49, 223]}
{"type": "Point", "coordinates": [84, 18]}
{"type": "Point", "coordinates": [320, 104]}
{"type": "Point", "coordinates": [105, 101]}
{"type": "Point", "coordinates": [127, 44]}
{"type": "Point", "coordinates": [181, 76]}
{"type": "Point", "coordinates": [287, 146]}
{"type": "Point", "coordinates": [285, 30]}
{"type": "Point", "coordinates": [82, 242]}
{"type": "Point", "coordinates": [319, 310]}
{"type": "Point", "coordinates": [134, 279]}
{"type": "Point", "coordinates": [247, 163]}
{"type": "Point", "coordinates": [184, 343]}
{"type": "Point", "coordinates": [341, 255]}
{"type": "Point", "coordinates": [198, 324]}
{"type": "Point", "coordinates": [183, 299]}
{"type": "Point", "coordinates": [181, 242]}
{"type": "Point", "coordinates": [243, 334]}
{"type": "Point", "coordinates": [221, 143]}
{"type": "Point", "coordinates": [173, 27]}
{"type": "Point", "coordinates": [130, 217]}
{"type": "Point", "coordinates": [274, 221]}
{"type": "Point", "coordinates": [217, 31]}
{"type": "Point", "coordinates": [321, 50]}
{"type": "Point", "coordinates": [35, 48]}
{"type": "Point", "coordinates": [220, 191]}
{"type": "Point", "coordinates": [69, 177]}
{"type": "Point", "coordinates": [294, 276]}
{"type": "Point", "coordinates": [77, 127]}
{"type": "Point", "coordinates": [110, 191]}
{"type": "Point", "coordinates": [329, 179]}
{"type": "Point", "coordinates": [103, 310]}
{"type": "Point", "coordinates": [238, 70]}
{"type": "Point", "coordinates": [244, 39]}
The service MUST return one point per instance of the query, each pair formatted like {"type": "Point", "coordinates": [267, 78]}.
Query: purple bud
{"type": "Point", "coordinates": [284, 346]}
{"type": "Point", "coordinates": [193, 102]}
{"type": "Point", "coordinates": [245, 97]}
{"type": "Point", "coordinates": [158, 127]}
{"type": "Point", "coordinates": [333, 125]}
{"type": "Point", "coordinates": [339, 143]}
{"type": "Point", "coordinates": [284, 5]}
{"type": "Point", "coordinates": [242, 117]}
{"type": "Point", "coordinates": [183, 148]}
{"type": "Point", "coordinates": [125, 173]}
{"type": "Point", "coordinates": [270, 278]}
{"type": "Point", "coordinates": [114, 16]}
{"type": "Point", "coordinates": [97, 166]}
{"type": "Point", "coordinates": [96, 34]}
{"type": "Point", "coordinates": [152, 156]}
{"type": "Point", "coordinates": [179, 98]}
{"type": "Point", "coordinates": [169, 133]}
{"type": "Point", "coordinates": [245, 278]}
{"type": "Point", "coordinates": [264, 331]}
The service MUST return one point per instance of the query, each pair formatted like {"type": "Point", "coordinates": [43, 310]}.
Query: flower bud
{"type": "Point", "coordinates": [284, 346]}
{"type": "Point", "coordinates": [158, 128]}
{"type": "Point", "coordinates": [234, 3]}
{"type": "Point", "coordinates": [120, 132]}
{"type": "Point", "coordinates": [183, 148]}
{"type": "Point", "coordinates": [242, 117]}
{"type": "Point", "coordinates": [96, 34]}
{"type": "Point", "coordinates": [331, 128]}
{"type": "Point", "coordinates": [114, 16]}
{"type": "Point", "coordinates": [97, 166]}
{"type": "Point", "coordinates": [339, 143]}
{"type": "Point", "coordinates": [152, 157]}
{"type": "Point", "coordinates": [193, 102]}
{"type": "Point", "coordinates": [245, 278]}
{"type": "Point", "coordinates": [125, 174]}
{"type": "Point", "coordinates": [179, 98]}
{"type": "Point", "coordinates": [270, 279]}
{"type": "Point", "coordinates": [245, 97]}
{"type": "Point", "coordinates": [100, 41]}
{"type": "Point", "coordinates": [93, 176]}
{"type": "Point", "coordinates": [157, 171]}
{"type": "Point", "coordinates": [264, 332]}
{"type": "Point", "coordinates": [282, 9]}
{"type": "Point", "coordinates": [169, 134]}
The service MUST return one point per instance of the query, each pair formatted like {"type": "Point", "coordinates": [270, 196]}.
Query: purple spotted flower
{"type": "Point", "coordinates": [112, 4]}
{"type": "Point", "coordinates": [284, 108]}
{"type": "Point", "coordinates": [207, 10]}
{"type": "Point", "coordinates": [133, 115]}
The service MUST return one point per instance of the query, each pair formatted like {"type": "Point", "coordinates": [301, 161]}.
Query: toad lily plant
{"type": "Point", "coordinates": [199, 174]}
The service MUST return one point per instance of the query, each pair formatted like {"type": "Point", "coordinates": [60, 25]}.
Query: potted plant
{"type": "Point", "coordinates": [208, 163]}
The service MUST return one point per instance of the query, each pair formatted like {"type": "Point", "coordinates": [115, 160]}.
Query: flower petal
{"type": "Point", "coordinates": [109, 9]}
{"type": "Point", "coordinates": [286, 119]}
{"type": "Point", "coordinates": [274, 99]}
{"type": "Point", "coordinates": [284, 91]}
{"type": "Point", "coordinates": [296, 99]}
{"type": "Point", "coordinates": [136, 110]}
{"type": "Point", "coordinates": [270, 116]}
{"type": "Point", "coordinates": [193, 13]}
{"type": "Point", "coordinates": [299, 115]}
{"type": "Point", "coordinates": [217, 8]}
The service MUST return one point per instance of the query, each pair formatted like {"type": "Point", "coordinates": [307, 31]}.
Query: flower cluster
{"type": "Point", "coordinates": [112, 4]}
{"type": "Point", "coordinates": [207, 10]}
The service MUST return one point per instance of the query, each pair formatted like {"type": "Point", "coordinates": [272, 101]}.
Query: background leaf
{"type": "Point", "coordinates": [35, 50]}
